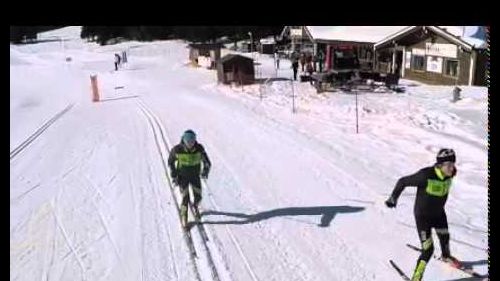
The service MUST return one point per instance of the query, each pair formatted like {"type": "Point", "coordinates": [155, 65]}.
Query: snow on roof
{"type": "Point", "coordinates": [229, 57]}
{"type": "Point", "coordinates": [455, 30]}
{"type": "Point", "coordinates": [469, 34]}
{"type": "Point", "coordinates": [268, 40]}
{"type": "Point", "coordinates": [476, 42]}
{"type": "Point", "coordinates": [369, 34]}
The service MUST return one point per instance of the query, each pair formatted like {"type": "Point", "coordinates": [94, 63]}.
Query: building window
{"type": "Point", "coordinates": [364, 53]}
{"type": "Point", "coordinates": [418, 63]}
{"type": "Point", "coordinates": [452, 68]}
{"type": "Point", "coordinates": [345, 59]}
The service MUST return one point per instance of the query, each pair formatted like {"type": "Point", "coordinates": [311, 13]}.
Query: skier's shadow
{"type": "Point", "coordinates": [470, 279]}
{"type": "Point", "coordinates": [327, 214]}
{"type": "Point", "coordinates": [470, 264]}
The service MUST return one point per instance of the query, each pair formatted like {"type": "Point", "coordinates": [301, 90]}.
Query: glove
{"type": "Point", "coordinates": [173, 175]}
{"type": "Point", "coordinates": [204, 174]}
{"type": "Point", "coordinates": [391, 202]}
{"type": "Point", "coordinates": [175, 181]}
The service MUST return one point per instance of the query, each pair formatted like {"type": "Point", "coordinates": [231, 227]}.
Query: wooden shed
{"type": "Point", "coordinates": [236, 68]}
{"type": "Point", "coordinates": [209, 50]}
{"type": "Point", "coordinates": [267, 46]}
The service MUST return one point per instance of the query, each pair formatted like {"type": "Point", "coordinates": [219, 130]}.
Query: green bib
{"type": "Point", "coordinates": [188, 159]}
{"type": "Point", "coordinates": [438, 187]}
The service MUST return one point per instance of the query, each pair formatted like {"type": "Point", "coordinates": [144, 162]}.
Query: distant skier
{"type": "Point", "coordinates": [124, 57]}
{"type": "Point", "coordinates": [321, 58]}
{"type": "Point", "coordinates": [315, 62]}
{"type": "Point", "coordinates": [433, 185]}
{"type": "Point", "coordinates": [295, 65]}
{"type": "Point", "coordinates": [302, 59]}
{"type": "Point", "coordinates": [277, 59]}
{"type": "Point", "coordinates": [185, 161]}
{"type": "Point", "coordinates": [117, 61]}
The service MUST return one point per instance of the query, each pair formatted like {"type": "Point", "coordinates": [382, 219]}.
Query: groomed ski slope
{"type": "Point", "coordinates": [291, 196]}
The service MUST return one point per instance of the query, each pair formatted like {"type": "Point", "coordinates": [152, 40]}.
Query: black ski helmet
{"type": "Point", "coordinates": [445, 155]}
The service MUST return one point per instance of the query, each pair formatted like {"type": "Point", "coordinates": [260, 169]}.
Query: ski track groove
{"type": "Point", "coordinates": [152, 128]}
{"type": "Point", "coordinates": [235, 242]}
{"type": "Point", "coordinates": [211, 263]}
{"type": "Point", "coordinates": [166, 228]}
{"type": "Point", "coordinates": [51, 264]}
{"type": "Point", "coordinates": [104, 224]}
{"type": "Point", "coordinates": [46, 253]}
{"type": "Point", "coordinates": [66, 238]}
{"type": "Point", "coordinates": [141, 224]}
{"type": "Point", "coordinates": [38, 132]}
{"type": "Point", "coordinates": [158, 223]}
{"type": "Point", "coordinates": [96, 189]}
{"type": "Point", "coordinates": [22, 195]}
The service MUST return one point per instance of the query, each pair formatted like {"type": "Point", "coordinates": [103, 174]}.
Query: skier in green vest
{"type": "Point", "coordinates": [185, 161]}
{"type": "Point", "coordinates": [433, 184]}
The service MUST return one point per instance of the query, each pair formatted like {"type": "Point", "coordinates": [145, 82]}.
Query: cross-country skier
{"type": "Point", "coordinates": [433, 185]}
{"type": "Point", "coordinates": [185, 161]}
{"type": "Point", "coordinates": [117, 61]}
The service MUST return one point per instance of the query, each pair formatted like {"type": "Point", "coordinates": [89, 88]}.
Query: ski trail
{"type": "Point", "coordinates": [162, 157]}
{"type": "Point", "coordinates": [167, 146]}
{"type": "Point", "coordinates": [68, 241]}
{"type": "Point", "coordinates": [38, 133]}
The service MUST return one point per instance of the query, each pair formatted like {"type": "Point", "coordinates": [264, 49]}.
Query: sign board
{"type": "Point", "coordinates": [435, 64]}
{"type": "Point", "coordinates": [408, 60]}
{"type": "Point", "coordinates": [441, 50]}
{"type": "Point", "coordinates": [344, 47]}
{"type": "Point", "coordinates": [418, 52]}
{"type": "Point", "coordinates": [296, 32]}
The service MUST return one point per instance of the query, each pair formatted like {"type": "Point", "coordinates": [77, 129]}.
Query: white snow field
{"type": "Point", "coordinates": [291, 195]}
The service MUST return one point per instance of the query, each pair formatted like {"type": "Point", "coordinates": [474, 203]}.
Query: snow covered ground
{"type": "Point", "coordinates": [291, 195]}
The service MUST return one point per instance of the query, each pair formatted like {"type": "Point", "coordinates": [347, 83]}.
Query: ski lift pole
{"type": "Point", "coordinates": [356, 92]}
{"type": "Point", "coordinates": [241, 81]}
{"type": "Point", "coordinates": [261, 89]}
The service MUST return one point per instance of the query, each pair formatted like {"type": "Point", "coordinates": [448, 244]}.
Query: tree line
{"type": "Point", "coordinates": [104, 34]}
{"type": "Point", "coordinates": [19, 34]}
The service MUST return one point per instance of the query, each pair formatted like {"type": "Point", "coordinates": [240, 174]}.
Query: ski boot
{"type": "Point", "coordinates": [196, 212]}
{"type": "Point", "coordinates": [454, 262]}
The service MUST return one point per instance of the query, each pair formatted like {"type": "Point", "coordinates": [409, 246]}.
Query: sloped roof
{"type": "Point", "coordinates": [229, 57]}
{"type": "Point", "coordinates": [206, 45]}
{"type": "Point", "coordinates": [461, 35]}
{"type": "Point", "coordinates": [368, 34]}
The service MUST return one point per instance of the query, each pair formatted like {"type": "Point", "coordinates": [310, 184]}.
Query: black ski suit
{"type": "Point", "coordinates": [432, 193]}
{"type": "Point", "coordinates": [185, 166]}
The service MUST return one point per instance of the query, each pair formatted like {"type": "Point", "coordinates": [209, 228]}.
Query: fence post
{"type": "Point", "coordinates": [95, 90]}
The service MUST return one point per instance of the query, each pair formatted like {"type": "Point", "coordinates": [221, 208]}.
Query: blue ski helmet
{"type": "Point", "coordinates": [189, 136]}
